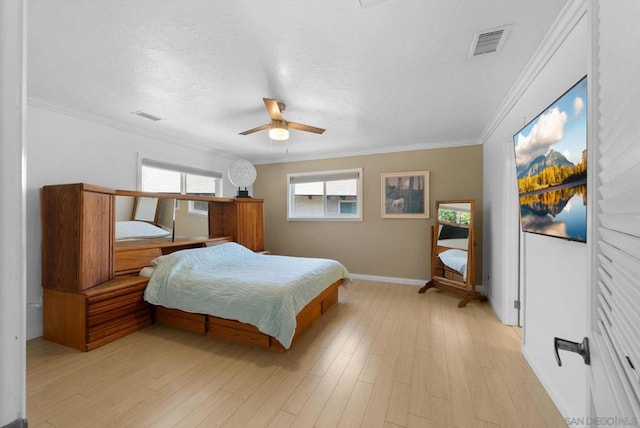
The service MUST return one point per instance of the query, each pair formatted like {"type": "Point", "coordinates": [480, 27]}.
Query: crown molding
{"type": "Point", "coordinates": [564, 24]}
{"type": "Point", "coordinates": [366, 152]}
{"type": "Point", "coordinates": [122, 126]}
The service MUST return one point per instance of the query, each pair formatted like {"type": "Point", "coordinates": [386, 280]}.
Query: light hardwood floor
{"type": "Point", "coordinates": [385, 356]}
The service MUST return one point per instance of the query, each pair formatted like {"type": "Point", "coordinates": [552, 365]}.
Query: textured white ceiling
{"type": "Point", "coordinates": [392, 75]}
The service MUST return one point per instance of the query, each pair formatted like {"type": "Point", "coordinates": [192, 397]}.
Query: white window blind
{"type": "Point", "coordinates": [158, 176]}
{"type": "Point", "coordinates": [180, 168]}
{"type": "Point", "coordinates": [616, 295]}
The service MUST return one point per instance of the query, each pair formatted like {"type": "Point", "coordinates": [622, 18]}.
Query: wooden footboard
{"type": "Point", "coordinates": [247, 333]}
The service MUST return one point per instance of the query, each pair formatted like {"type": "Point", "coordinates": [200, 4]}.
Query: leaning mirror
{"type": "Point", "coordinates": [452, 250]}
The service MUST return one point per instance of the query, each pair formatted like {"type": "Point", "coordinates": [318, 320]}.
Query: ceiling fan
{"type": "Point", "coordinates": [279, 128]}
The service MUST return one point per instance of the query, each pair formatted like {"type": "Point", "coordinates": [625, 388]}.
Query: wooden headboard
{"type": "Point", "coordinates": [229, 220]}
{"type": "Point", "coordinates": [130, 260]}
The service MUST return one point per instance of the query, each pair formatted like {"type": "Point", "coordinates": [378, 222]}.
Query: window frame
{"type": "Point", "coordinates": [324, 176]}
{"type": "Point", "coordinates": [183, 171]}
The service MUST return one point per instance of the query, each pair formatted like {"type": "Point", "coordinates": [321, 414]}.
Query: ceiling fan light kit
{"type": "Point", "coordinates": [279, 128]}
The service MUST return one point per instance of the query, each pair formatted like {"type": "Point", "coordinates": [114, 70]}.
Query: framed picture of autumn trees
{"type": "Point", "coordinates": [551, 165]}
{"type": "Point", "coordinates": [405, 194]}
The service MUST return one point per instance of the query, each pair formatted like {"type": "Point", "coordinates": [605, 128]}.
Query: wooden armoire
{"type": "Point", "coordinates": [90, 295]}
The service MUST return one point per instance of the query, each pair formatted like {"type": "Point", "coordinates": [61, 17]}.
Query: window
{"type": "Point", "coordinates": [165, 177]}
{"type": "Point", "coordinates": [348, 207]}
{"type": "Point", "coordinates": [325, 195]}
{"type": "Point", "coordinates": [199, 185]}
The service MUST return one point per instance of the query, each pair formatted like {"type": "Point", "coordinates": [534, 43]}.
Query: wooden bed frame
{"type": "Point", "coordinates": [130, 260]}
{"type": "Point", "coordinates": [247, 333]}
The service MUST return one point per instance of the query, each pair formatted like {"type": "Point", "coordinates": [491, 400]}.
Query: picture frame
{"type": "Point", "coordinates": [404, 194]}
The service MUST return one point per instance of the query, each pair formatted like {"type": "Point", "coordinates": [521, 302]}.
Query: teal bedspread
{"type": "Point", "coordinates": [231, 281]}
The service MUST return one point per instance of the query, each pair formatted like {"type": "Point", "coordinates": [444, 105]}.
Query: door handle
{"type": "Point", "coordinates": [578, 348]}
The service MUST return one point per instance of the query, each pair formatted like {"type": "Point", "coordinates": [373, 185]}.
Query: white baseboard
{"type": "Point", "coordinates": [32, 333]}
{"type": "Point", "coordinates": [497, 308]}
{"type": "Point", "coordinates": [548, 385]}
{"type": "Point", "coordinates": [406, 281]}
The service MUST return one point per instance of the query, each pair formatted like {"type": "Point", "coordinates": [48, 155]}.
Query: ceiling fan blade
{"type": "Point", "coordinates": [273, 108]}
{"type": "Point", "coordinates": [307, 128]}
{"type": "Point", "coordinates": [256, 129]}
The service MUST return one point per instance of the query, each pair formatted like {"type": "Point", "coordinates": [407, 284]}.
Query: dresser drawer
{"type": "Point", "coordinates": [102, 316]}
{"type": "Point", "coordinates": [110, 306]}
{"type": "Point", "coordinates": [133, 260]}
{"type": "Point", "coordinates": [131, 321]}
{"type": "Point", "coordinates": [116, 307]}
{"type": "Point", "coordinates": [112, 302]}
{"type": "Point", "coordinates": [117, 287]}
{"type": "Point", "coordinates": [244, 336]}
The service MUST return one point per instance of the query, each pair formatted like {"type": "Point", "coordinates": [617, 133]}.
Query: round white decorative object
{"type": "Point", "coordinates": [242, 173]}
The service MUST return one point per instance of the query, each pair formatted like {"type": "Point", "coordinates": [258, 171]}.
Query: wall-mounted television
{"type": "Point", "coordinates": [551, 165]}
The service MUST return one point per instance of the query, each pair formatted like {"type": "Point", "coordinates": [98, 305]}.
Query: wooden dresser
{"type": "Point", "coordinates": [92, 294]}
{"type": "Point", "coordinates": [99, 315]}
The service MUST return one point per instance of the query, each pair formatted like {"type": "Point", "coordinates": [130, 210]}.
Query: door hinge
{"type": "Point", "coordinates": [516, 304]}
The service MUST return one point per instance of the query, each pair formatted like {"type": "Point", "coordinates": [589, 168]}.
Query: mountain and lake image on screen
{"type": "Point", "coordinates": [551, 165]}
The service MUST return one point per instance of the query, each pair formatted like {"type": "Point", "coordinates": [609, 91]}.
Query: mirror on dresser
{"type": "Point", "coordinates": [139, 219]}
{"type": "Point", "coordinates": [143, 220]}
{"type": "Point", "coordinates": [453, 250]}
{"type": "Point", "coordinates": [191, 219]}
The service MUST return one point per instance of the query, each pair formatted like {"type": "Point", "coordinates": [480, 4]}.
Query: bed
{"type": "Point", "coordinates": [229, 291]}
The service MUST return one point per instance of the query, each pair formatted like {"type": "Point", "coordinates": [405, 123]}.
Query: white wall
{"type": "Point", "coordinates": [554, 270]}
{"type": "Point", "coordinates": [12, 226]}
{"type": "Point", "coordinates": [496, 213]}
{"type": "Point", "coordinates": [63, 147]}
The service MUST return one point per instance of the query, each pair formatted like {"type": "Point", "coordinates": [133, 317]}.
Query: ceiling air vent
{"type": "Point", "coordinates": [488, 41]}
{"type": "Point", "coordinates": [147, 115]}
